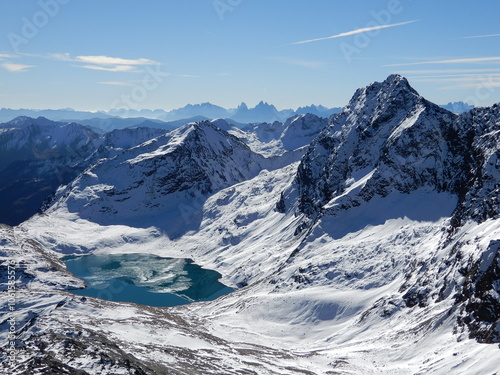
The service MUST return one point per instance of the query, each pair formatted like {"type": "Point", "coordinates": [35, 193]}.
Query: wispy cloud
{"type": "Point", "coordinates": [118, 68]}
{"type": "Point", "coordinates": [473, 60]}
{"type": "Point", "coordinates": [116, 83]}
{"type": "Point", "coordinates": [183, 75]}
{"type": "Point", "coordinates": [105, 63]}
{"type": "Point", "coordinates": [106, 60]}
{"type": "Point", "coordinates": [60, 56]}
{"type": "Point", "coordinates": [481, 36]}
{"type": "Point", "coordinates": [478, 84]}
{"type": "Point", "coordinates": [464, 78]}
{"type": "Point", "coordinates": [4, 56]}
{"type": "Point", "coordinates": [433, 78]}
{"type": "Point", "coordinates": [445, 71]}
{"type": "Point", "coordinates": [312, 64]}
{"type": "Point", "coordinates": [454, 79]}
{"type": "Point", "coordinates": [354, 32]}
{"type": "Point", "coordinates": [17, 68]}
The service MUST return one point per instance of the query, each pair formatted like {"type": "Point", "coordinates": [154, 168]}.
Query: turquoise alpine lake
{"type": "Point", "coordinates": [145, 279]}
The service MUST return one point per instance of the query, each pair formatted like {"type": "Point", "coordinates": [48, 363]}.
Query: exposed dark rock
{"type": "Point", "coordinates": [481, 296]}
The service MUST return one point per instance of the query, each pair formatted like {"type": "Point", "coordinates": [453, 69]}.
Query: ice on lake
{"type": "Point", "coordinates": [145, 279]}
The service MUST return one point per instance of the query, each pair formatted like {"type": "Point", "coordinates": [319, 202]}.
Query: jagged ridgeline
{"type": "Point", "coordinates": [364, 243]}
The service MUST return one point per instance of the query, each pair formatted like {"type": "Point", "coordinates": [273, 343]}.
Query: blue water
{"type": "Point", "coordinates": [145, 279]}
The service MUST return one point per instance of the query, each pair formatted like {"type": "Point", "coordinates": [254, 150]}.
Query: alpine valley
{"type": "Point", "coordinates": [366, 243]}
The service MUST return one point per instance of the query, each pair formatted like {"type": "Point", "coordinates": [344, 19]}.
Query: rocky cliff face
{"type": "Point", "coordinates": [403, 142]}
{"type": "Point", "coordinates": [479, 131]}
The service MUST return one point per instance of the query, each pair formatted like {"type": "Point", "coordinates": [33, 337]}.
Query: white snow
{"type": "Point", "coordinates": [408, 122]}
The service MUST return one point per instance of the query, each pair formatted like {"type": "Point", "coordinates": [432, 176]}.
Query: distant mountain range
{"type": "Point", "coordinates": [458, 107]}
{"type": "Point", "coordinates": [124, 118]}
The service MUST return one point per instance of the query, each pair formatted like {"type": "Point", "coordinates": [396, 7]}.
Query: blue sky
{"type": "Point", "coordinates": [98, 55]}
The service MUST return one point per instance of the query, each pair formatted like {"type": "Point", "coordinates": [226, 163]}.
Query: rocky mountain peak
{"type": "Point", "coordinates": [243, 106]}
{"type": "Point", "coordinates": [387, 129]}
{"type": "Point", "coordinates": [161, 175]}
{"type": "Point", "coordinates": [380, 100]}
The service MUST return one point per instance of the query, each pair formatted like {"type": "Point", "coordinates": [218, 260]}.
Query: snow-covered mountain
{"type": "Point", "coordinates": [123, 139]}
{"type": "Point", "coordinates": [389, 137]}
{"type": "Point", "coordinates": [36, 156]}
{"type": "Point", "coordinates": [153, 178]}
{"type": "Point", "coordinates": [392, 154]}
{"type": "Point", "coordinates": [279, 137]}
{"type": "Point", "coordinates": [110, 123]}
{"type": "Point", "coordinates": [25, 138]}
{"type": "Point", "coordinates": [39, 155]}
{"type": "Point", "coordinates": [376, 253]}
{"type": "Point", "coordinates": [300, 130]}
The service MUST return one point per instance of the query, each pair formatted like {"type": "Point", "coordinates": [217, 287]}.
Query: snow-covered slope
{"type": "Point", "coordinates": [38, 155]}
{"type": "Point", "coordinates": [278, 138]}
{"type": "Point", "coordinates": [25, 138]}
{"type": "Point", "coordinates": [377, 253]}
{"type": "Point", "coordinates": [300, 130]}
{"type": "Point", "coordinates": [146, 185]}
{"type": "Point", "coordinates": [117, 140]}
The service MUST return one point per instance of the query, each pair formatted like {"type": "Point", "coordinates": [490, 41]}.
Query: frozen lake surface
{"type": "Point", "coordinates": [145, 279]}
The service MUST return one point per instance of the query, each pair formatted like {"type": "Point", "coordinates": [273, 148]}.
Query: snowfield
{"type": "Point", "coordinates": [376, 253]}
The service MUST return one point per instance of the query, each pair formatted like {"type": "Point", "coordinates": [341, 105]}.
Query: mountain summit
{"type": "Point", "coordinates": [155, 177]}
{"type": "Point", "coordinates": [387, 134]}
